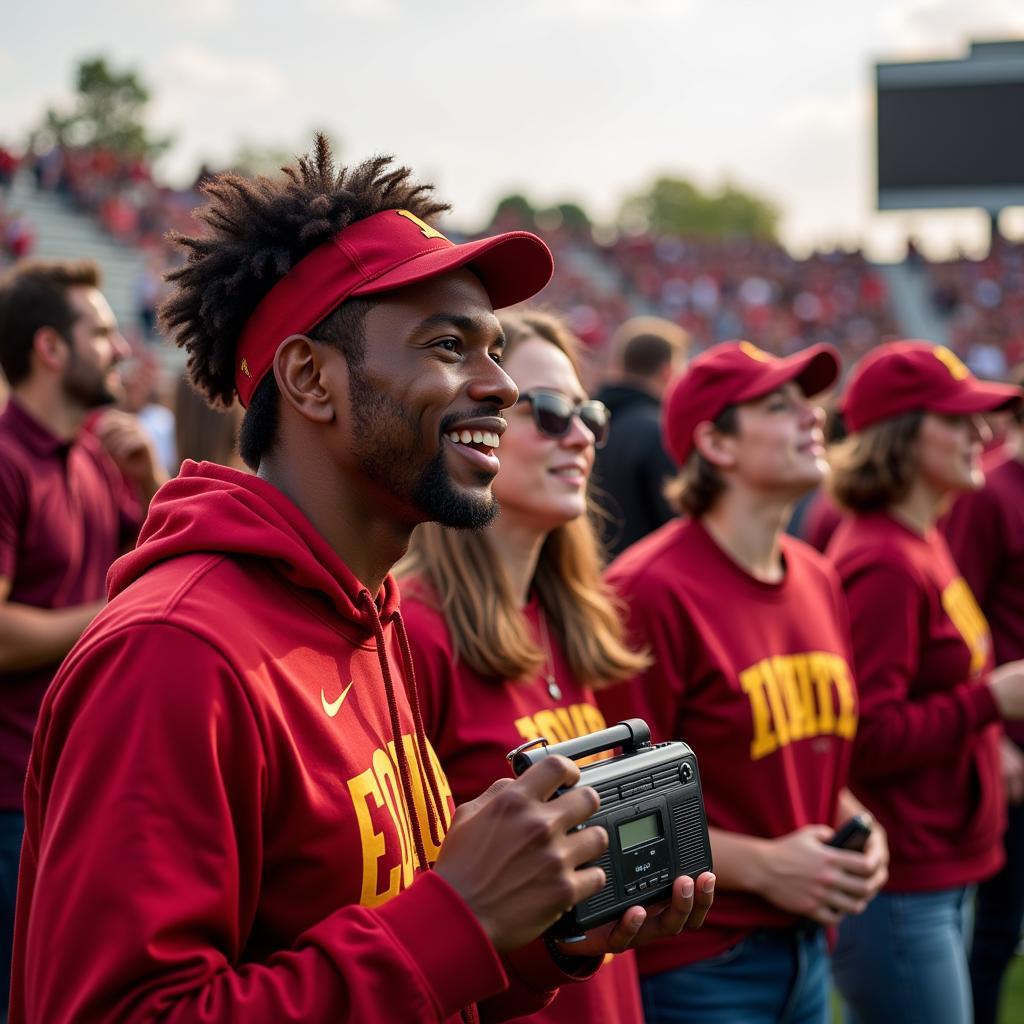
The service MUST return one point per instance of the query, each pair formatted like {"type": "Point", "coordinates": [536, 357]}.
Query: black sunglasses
{"type": "Point", "coordinates": [553, 413]}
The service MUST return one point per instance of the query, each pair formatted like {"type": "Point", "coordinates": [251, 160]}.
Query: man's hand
{"type": "Point", "coordinates": [512, 858]}
{"type": "Point", "coordinates": [687, 908]}
{"type": "Point", "coordinates": [129, 446]}
{"type": "Point", "coordinates": [1011, 761]}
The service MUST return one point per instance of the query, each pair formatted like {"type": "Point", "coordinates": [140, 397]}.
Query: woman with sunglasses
{"type": "Point", "coordinates": [926, 760]}
{"type": "Point", "coordinates": [751, 667]}
{"type": "Point", "coordinates": [511, 628]}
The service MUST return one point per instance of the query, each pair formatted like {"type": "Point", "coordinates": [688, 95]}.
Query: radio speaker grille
{"type": "Point", "coordinates": [606, 897]}
{"type": "Point", "coordinates": [687, 826]}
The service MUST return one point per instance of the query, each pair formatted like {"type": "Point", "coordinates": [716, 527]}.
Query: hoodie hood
{"type": "Point", "coordinates": [212, 509]}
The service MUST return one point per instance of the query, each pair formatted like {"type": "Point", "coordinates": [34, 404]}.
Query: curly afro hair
{"type": "Point", "coordinates": [257, 230]}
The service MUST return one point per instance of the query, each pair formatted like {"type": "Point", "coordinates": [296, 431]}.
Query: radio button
{"type": "Point", "coordinates": [685, 772]}
{"type": "Point", "coordinates": [630, 889]}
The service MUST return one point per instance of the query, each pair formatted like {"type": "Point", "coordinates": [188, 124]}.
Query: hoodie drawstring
{"type": "Point", "coordinates": [396, 730]}
{"type": "Point", "coordinates": [435, 807]}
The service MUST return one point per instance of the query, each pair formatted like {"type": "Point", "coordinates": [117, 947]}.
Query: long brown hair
{"type": "Point", "coordinates": [464, 580]}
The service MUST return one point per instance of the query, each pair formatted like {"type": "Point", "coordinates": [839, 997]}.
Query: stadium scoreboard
{"type": "Point", "coordinates": [950, 133]}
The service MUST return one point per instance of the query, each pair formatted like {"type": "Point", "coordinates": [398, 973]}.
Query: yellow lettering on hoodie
{"type": "Point", "coordinates": [798, 696]}
{"type": "Point", "coordinates": [389, 864]}
{"type": "Point", "coordinates": [970, 621]}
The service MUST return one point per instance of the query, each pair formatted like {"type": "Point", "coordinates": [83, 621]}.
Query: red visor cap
{"type": "Point", "coordinates": [380, 253]}
{"type": "Point", "coordinates": [735, 372]}
{"type": "Point", "coordinates": [904, 376]}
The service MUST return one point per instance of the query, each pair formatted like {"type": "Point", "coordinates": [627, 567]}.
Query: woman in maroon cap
{"type": "Point", "coordinates": [926, 758]}
{"type": "Point", "coordinates": [511, 628]}
{"type": "Point", "coordinates": [751, 667]}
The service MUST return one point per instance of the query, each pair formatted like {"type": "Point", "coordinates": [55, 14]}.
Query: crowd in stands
{"type": "Point", "coordinates": [984, 301]}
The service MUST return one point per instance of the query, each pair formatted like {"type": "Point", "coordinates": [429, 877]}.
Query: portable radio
{"type": "Point", "coordinates": [652, 809]}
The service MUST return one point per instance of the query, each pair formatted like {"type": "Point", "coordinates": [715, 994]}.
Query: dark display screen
{"type": "Point", "coordinates": [640, 831]}
{"type": "Point", "coordinates": [951, 136]}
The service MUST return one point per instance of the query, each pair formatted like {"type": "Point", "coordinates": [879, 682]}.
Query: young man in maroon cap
{"type": "Point", "coordinates": [752, 668]}
{"type": "Point", "coordinates": [231, 805]}
{"type": "Point", "coordinates": [926, 757]}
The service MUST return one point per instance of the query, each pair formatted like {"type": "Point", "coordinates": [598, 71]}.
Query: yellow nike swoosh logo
{"type": "Point", "coordinates": [334, 706]}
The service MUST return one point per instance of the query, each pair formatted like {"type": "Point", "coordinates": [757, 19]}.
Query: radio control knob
{"type": "Point", "coordinates": [685, 772]}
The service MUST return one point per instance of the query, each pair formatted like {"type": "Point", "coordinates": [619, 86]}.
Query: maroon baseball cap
{"type": "Point", "coordinates": [387, 250]}
{"type": "Point", "coordinates": [735, 372]}
{"type": "Point", "coordinates": [904, 376]}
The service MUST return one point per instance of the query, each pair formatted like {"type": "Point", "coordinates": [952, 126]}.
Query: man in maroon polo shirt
{"type": "Point", "coordinates": [66, 509]}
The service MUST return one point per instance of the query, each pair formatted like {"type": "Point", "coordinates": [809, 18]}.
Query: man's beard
{"type": "Point", "coordinates": [85, 385]}
{"type": "Point", "coordinates": [387, 445]}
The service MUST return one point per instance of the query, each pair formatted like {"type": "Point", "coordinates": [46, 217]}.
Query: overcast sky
{"type": "Point", "coordinates": [560, 99]}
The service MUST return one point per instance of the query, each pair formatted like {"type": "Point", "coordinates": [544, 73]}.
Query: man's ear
{"type": "Point", "coordinates": [714, 445]}
{"type": "Point", "coordinates": [50, 349]}
{"type": "Point", "coordinates": [303, 377]}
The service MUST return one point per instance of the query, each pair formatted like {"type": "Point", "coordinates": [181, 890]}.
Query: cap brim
{"type": "Point", "coordinates": [978, 396]}
{"type": "Point", "coordinates": [814, 370]}
{"type": "Point", "coordinates": [512, 267]}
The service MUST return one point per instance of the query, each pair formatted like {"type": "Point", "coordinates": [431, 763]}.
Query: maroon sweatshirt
{"type": "Point", "coordinates": [473, 722]}
{"type": "Point", "coordinates": [985, 532]}
{"type": "Point", "coordinates": [926, 757]}
{"type": "Point", "coordinates": [229, 804]}
{"type": "Point", "coordinates": [756, 678]}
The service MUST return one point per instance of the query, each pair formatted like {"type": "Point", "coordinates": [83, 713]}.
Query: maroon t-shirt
{"type": "Point", "coordinates": [756, 678]}
{"type": "Point", "coordinates": [926, 758]}
{"type": "Point", "coordinates": [473, 722]}
{"type": "Point", "coordinates": [985, 531]}
{"type": "Point", "coordinates": [65, 515]}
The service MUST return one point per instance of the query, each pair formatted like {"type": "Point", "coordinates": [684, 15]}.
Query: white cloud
{"type": "Point", "coordinates": [189, 71]}
{"type": "Point", "coordinates": [200, 12]}
{"type": "Point", "coordinates": [943, 27]}
{"type": "Point", "coordinates": [610, 10]}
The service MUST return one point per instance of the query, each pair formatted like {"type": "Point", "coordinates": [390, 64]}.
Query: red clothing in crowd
{"type": "Point", "coordinates": [821, 520]}
{"type": "Point", "coordinates": [756, 678]}
{"type": "Point", "coordinates": [985, 532]}
{"type": "Point", "coordinates": [473, 722]}
{"type": "Point", "coordinates": [216, 823]}
{"type": "Point", "coordinates": [65, 515]}
{"type": "Point", "coordinates": [926, 758]}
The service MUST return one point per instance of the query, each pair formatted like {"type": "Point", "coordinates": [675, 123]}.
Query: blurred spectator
{"type": "Point", "coordinates": [985, 530]}
{"type": "Point", "coordinates": [65, 513]}
{"type": "Point", "coordinates": [141, 376]}
{"type": "Point", "coordinates": [631, 470]}
{"type": "Point", "coordinates": [206, 434]}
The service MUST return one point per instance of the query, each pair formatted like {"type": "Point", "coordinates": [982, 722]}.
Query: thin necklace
{"type": "Point", "coordinates": [554, 690]}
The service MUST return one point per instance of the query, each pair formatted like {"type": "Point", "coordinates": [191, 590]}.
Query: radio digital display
{"type": "Point", "coordinates": [640, 831]}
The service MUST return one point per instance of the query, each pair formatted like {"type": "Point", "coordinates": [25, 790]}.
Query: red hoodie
{"type": "Point", "coordinates": [926, 759]}
{"type": "Point", "coordinates": [220, 825]}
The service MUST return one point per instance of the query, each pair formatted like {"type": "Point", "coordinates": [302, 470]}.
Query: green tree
{"type": "Point", "coordinates": [109, 112]}
{"type": "Point", "coordinates": [675, 206]}
{"type": "Point", "coordinates": [514, 209]}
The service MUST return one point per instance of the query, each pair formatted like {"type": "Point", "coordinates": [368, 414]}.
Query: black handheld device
{"type": "Point", "coordinates": [852, 834]}
{"type": "Point", "coordinates": [652, 808]}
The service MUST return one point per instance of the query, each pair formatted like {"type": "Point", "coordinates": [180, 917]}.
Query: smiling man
{"type": "Point", "coordinates": [232, 808]}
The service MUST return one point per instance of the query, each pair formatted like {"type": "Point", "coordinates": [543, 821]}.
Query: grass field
{"type": "Point", "coordinates": [1013, 994]}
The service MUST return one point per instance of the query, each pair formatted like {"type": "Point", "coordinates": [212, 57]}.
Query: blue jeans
{"type": "Point", "coordinates": [904, 960]}
{"type": "Point", "coordinates": [775, 976]}
{"type": "Point", "coordinates": [12, 827]}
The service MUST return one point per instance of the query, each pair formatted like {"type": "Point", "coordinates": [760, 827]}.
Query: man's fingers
{"type": "Point", "coordinates": [471, 807]}
{"type": "Point", "coordinates": [541, 780]}
{"type": "Point", "coordinates": [575, 807]}
{"type": "Point", "coordinates": [704, 896]}
{"type": "Point", "coordinates": [586, 845]}
{"type": "Point", "coordinates": [626, 929]}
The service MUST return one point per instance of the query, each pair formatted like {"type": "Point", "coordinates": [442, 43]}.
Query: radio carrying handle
{"type": "Point", "coordinates": [631, 735]}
